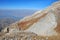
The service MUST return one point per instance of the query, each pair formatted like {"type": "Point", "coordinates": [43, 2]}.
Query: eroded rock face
{"type": "Point", "coordinates": [43, 24]}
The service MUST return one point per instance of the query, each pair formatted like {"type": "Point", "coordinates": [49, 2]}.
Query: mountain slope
{"type": "Point", "coordinates": [44, 24]}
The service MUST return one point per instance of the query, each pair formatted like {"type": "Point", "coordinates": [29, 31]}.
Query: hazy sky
{"type": "Point", "coordinates": [25, 4]}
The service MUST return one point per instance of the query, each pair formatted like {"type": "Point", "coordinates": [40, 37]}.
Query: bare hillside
{"type": "Point", "coordinates": [42, 25]}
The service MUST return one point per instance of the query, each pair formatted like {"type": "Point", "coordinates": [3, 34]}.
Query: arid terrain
{"type": "Point", "coordinates": [42, 25]}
